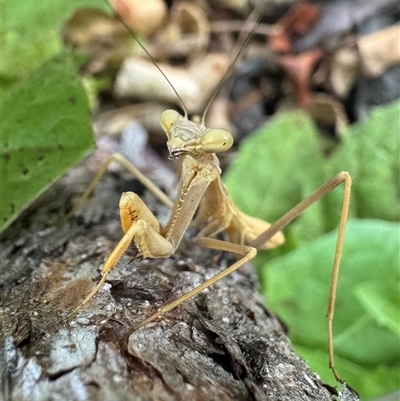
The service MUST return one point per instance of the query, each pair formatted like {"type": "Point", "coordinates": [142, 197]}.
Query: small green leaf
{"type": "Point", "coordinates": [45, 131]}
{"type": "Point", "coordinates": [370, 152]}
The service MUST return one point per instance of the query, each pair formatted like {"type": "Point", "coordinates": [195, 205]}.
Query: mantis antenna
{"type": "Point", "coordinates": [150, 57]}
{"type": "Point", "coordinates": [232, 64]}
{"type": "Point", "coordinates": [242, 46]}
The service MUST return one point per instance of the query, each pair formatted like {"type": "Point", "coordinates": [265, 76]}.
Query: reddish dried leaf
{"type": "Point", "coordinates": [299, 69]}
{"type": "Point", "coordinates": [299, 20]}
{"type": "Point", "coordinates": [280, 42]}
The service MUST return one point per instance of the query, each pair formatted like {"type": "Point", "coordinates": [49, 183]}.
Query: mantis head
{"type": "Point", "coordinates": [187, 137]}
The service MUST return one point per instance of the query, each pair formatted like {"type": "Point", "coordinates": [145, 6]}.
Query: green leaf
{"type": "Point", "coordinates": [276, 168]}
{"type": "Point", "coordinates": [381, 300]}
{"type": "Point", "coordinates": [370, 152]}
{"type": "Point", "coordinates": [284, 162]}
{"type": "Point", "coordinates": [31, 33]}
{"type": "Point", "coordinates": [297, 285]}
{"type": "Point", "coordinates": [45, 130]}
{"type": "Point", "coordinates": [369, 382]}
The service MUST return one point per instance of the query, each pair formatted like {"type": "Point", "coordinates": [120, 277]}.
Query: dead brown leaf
{"type": "Point", "coordinates": [328, 111]}
{"type": "Point", "coordinates": [140, 79]}
{"type": "Point", "coordinates": [99, 35]}
{"type": "Point", "coordinates": [344, 68]}
{"type": "Point", "coordinates": [370, 55]}
{"type": "Point", "coordinates": [187, 33]}
{"type": "Point", "coordinates": [379, 50]}
{"type": "Point", "coordinates": [340, 17]}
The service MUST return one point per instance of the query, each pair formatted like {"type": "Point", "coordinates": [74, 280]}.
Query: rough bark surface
{"type": "Point", "coordinates": [222, 345]}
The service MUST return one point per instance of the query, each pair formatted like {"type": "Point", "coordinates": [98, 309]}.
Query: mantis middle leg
{"type": "Point", "coordinates": [124, 162]}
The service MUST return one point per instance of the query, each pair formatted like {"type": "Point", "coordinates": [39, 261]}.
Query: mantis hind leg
{"type": "Point", "coordinates": [341, 178]}
{"type": "Point", "coordinates": [249, 252]}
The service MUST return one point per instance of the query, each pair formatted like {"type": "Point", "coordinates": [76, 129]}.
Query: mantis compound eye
{"type": "Point", "coordinates": [216, 140]}
{"type": "Point", "coordinates": [168, 119]}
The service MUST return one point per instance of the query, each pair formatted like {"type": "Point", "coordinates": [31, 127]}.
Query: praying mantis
{"type": "Point", "coordinates": [201, 190]}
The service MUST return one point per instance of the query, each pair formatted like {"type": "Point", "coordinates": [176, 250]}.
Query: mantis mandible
{"type": "Point", "coordinates": [201, 189]}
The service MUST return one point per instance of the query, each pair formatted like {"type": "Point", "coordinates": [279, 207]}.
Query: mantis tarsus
{"type": "Point", "coordinates": [201, 189]}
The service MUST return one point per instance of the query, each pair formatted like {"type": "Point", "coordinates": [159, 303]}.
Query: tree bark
{"type": "Point", "coordinates": [221, 345]}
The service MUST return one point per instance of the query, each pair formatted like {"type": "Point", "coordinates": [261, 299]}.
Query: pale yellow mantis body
{"type": "Point", "coordinates": [202, 190]}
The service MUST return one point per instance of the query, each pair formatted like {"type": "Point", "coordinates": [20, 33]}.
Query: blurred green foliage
{"type": "Point", "coordinates": [280, 165]}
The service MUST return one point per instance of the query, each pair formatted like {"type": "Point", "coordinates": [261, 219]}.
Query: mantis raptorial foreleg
{"type": "Point", "coordinates": [142, 229]}
{"type": "Point", "coordinates": [128, 202]}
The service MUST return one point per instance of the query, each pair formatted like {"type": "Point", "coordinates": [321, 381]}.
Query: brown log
{"type": "Point", "coordinates": [221, 345]}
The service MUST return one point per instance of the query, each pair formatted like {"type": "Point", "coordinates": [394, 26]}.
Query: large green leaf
{"type": "Point", "coordinates": [45, 130]}
{"type": "Point", "coordinates": [297, 287]}
{"type": "Point", "coordinates": [45, 116]}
